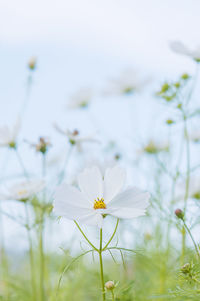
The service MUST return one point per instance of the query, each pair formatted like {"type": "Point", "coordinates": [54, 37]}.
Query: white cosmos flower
{"type": "Point", "coordinates": [8, 136]}
{"type": "Point", "coordinates": [75, 138]}
{"type": "Point", "coordinates": [81, 99]}
{"type": "Point", "coordinates": [23, 190]}
{"type": "Point", "coordinates": [99, 196]}
{"type": "Point", "coordinates": [128, 82]}
{"type": "Point", "coordinates": [181, 48]}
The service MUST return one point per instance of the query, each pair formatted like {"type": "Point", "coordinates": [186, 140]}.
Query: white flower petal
{"type": "Point", "coordinates": [70, 196]}
{"type": "Point", "coordinates": [128, 213]}
{"type": "Point", "coordinates": [71, 212]}
{"type": "Point", "coordinates": [130, 198]}
{"type": "Point", "coordinates": [94, 219]}
{"type": "Point", "coordinates": [179, 47]}
{"type": "Point", "coordinates": [91, 183]}
{"type": "Point", "coordinates": [113, 182]}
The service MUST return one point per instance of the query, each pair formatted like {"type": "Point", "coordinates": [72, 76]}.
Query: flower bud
{"type": "Point", "coordinates": [110, 285]}
{"type": "Point", "coordinates": [32, 63]}
{"type": "Point", "coordinates": [186, 268]}
{"type": "Point", "coordinates": [179, 213]}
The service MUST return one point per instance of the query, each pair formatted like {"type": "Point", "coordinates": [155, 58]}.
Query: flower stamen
{"type": "Point", "coordinates": [99, 204]}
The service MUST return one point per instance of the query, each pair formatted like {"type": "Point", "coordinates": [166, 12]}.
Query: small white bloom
{"type": "Point", "coordinates": [181, 48]}
{"type": "Point", "coordinates": [80, 99]}
{"type": "Point", "coordinates": [127, 83]}
{"type": "Point", "coordinates": [193, 191]}
{"type": "Point", "coordinates": [99, 196]}
{"type": "Point", "coordinates": [155, 147]}
{"type": "Point", "coordinates": [75, 138]}
{"type": "Point", "coordinates": [8, 136]}
{"type": "Point", "coordinates": [22, 191]}
{"type": "Point", "coordinates": [195, 136]}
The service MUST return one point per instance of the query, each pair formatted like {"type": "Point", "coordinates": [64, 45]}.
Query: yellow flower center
{"type": "Point", "coordinates": [99, 204]}
{"type": "Point", "coordinates": [22, 192]}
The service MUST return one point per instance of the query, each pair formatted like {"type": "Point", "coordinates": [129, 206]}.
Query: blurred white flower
{"type": "Point", "coordinates": [22, 191]}
{"type": "Point", "coordinates": [154, 147]}
{"type": "Point", "coordinates": [128, 82]}
{"type": "Point", "coordinates": [195, 136]}
{"type": "Point", "coordinates": [99, 197]}
{"type": "Point", "coordinates": [75, 138]}
{"type": "Point", "coordinates": [8, 136]}
{"type": "Point", "coordinates": [193, 192]}
{"type": "Point", "coordinates": [181, 48]}
{"type": "Point", "coordinates": [42, 146]}
{"type": "Point", "coordinates": [80, 99]}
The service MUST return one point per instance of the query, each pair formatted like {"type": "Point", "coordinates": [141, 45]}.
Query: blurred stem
{"type": "Point", "coordinates": [183, 246]}
{"type": "Point", "coordinates": [31, 257]}
{"type": "Point", "coordinates": [21, 164]}
{"type": "Point", "coordinates": [41, 236]}
{"type": "Point", "coordinates": [192, 238]}
{"type": "Point", "coordinates": [62, 173]}
{"type": "Point", "coordinates": [101, 266]}
{"type": "Point", "coordinates": [42, 258]}
{"type": "Point", "coordinates": [113, 296]}
{"type": "Point", "coordinates": [187, 183]}
{"type": "Point", "coordinates": [27, 93]}
{"type": "Point", "coordinates": [43, 165]}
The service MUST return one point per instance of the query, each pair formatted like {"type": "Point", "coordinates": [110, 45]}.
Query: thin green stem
{"type": "Point", "coordinates": [187, 183]}
{"type": "Point", "coordinates": [42, 258]}
{"type": "Point", "coordinates": [113, 296]}
{"type": "Point", "coordinates": [21, 164]}
{"type": "Point", "coordinates": [67, 268]}
{"type": "Point", "coordinates": [86, 237]}
{"type": "Point", "coordinates": [31, 257]}
{"type": "Point", "coordinates": [43, 165]}
{"type": "Point", "coordinates": [101, 266]}
{"type": "Point", "coordinates": [27, 94]}
{"type": "Point", "coordinates": [62, 173]}
{"type": "Point", "coordinates": [111, 238]}
{"type": "Point", "coordinates": [41, 237]}
{"type": "Point", "coordinates": [192, 238]}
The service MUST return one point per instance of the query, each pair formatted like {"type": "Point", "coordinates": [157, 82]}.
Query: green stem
{"type": "Point", "coordinates": [27, 94]}
{"type": "Point", "coordinates": [183, 246]}
{"type": "Point", "coordinates": [101, 267]}
{"type": "Point", "coordinates": [192, 238]}
{"type": "Point", "coordinates": [42, 259]}
{"type": "Point", "coordinates": [86, 237]}
{"type": "Point", "coordinates": [187, 183]}
{"type": "Point", "coordinates": [113, 296]}
{"type": "Point", "coordinates": [111, 236]}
